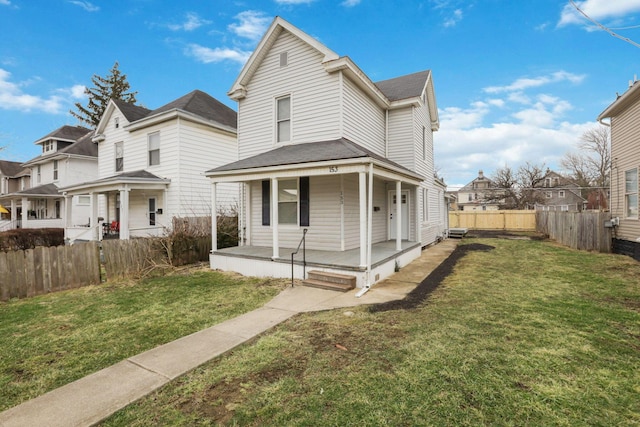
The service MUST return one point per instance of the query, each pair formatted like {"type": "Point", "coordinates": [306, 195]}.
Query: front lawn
{"type": "Point", "coordinates": [51, 340]}
{"type": "Point", "coordinates": [528, 333]}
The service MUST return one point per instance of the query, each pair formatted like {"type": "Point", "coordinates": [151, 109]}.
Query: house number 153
{"type": "Point", "coordinates": [333, 169]}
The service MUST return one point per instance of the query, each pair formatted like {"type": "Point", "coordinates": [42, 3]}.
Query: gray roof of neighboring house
{"type": "Point", "coordinates": [404, 87]}
{"type": "Point", "coordinates": [83, 146]}
{"type": "Point", "coordinates": [41, 190]}
{"type": "Point", "coordinates": [8, 168]}
{"type": "Point", "coordinates": [203, 105]}
{"type": "Point", "coordinates": [131, 111]}
{"type": "Point", "coordinates": [66, 133]}
{"type": "Point", "coordinates": [339, 149]}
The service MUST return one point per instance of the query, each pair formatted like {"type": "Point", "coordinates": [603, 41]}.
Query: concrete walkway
{"type": "Point", "coordinates": [93, 398]}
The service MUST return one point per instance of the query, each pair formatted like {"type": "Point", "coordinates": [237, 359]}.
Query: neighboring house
{"type": "Point", "coordinates": [325, 149]}
{"type": "Point", "coordinates": [475, 196]}
{"type": "Point", "coordinates": [624, 116]}
{"type": "Point", "coordinates": [68, 156]}
{"type": "Point", "coordinates": [151, 166]}
{"type": "Point", "coordinates": [13, 178]}
{"type": "Point", "coordinates": [559, 193]}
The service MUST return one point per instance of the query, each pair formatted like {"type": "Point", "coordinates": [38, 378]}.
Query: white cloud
{"type": "Point", "coordinates": [598, 10]}
{"type": "Point", "coordinates": [207, 55]}
{"type": "Point", "coordinates": [530, 82]}
{"type": "Point", "coordinates": [192, 22]}
{"type": "Point", "coordinates": [454, 19]}
{"type": "Point", "coordinates": [12, 97]}
{"type": "Point", "coordinates": [350, 3]}
{"type": "Point", "coordinates": [5, 2]}
{"type": "Point", "coordinates": [89, 7]}
{"type": "Point", "coordinates": [252, 25]}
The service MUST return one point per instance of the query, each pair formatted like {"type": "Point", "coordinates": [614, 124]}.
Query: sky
{"type": "Point", "coordinates": [515, 81]}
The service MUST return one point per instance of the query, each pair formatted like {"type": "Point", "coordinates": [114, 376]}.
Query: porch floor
{"type": "Point", "coordinates": [346, 260]}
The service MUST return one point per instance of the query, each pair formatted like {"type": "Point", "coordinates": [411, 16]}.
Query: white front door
{"type": "Point", "coordinates": [404, 211]}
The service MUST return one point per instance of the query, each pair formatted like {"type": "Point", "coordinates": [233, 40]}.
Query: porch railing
{"type": "Point", "coordinates": [304, 256]}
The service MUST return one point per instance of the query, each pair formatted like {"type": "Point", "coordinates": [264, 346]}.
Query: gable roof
{"type": "Point", "coordinates": [65, 133]}
{"type": "Point", "coordinates": [403, 87]}
{"type": "Point", "coordinates": [268, 39]}
{"type": "Point", "coordinates": [622, 102]}
{"type": "Point", "coordinates": [8, 168]}
{"type": "Point", "coordinates": [203, 105]}
{"type": "Point", "coordinates": [81, 146]}
{"type": "Point", "coordinates": [322, 151]}
{"type": "Point", "coordinates": [131, 111]}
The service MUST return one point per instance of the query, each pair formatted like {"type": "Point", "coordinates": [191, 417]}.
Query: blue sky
{"type": "Point", "coordinates": [515, 81]}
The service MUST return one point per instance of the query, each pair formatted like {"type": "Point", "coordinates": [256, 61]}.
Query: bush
{"type": "Point", "coordinates": [29, 238]}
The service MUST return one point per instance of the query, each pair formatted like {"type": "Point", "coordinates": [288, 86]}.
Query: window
{"type": "Point", "coordinates": [425, 204]}
{"type": "Point", "coordinates": [561, 194]}
{"type": "Point", "coordinates": [284, 59]}
{"type": "Point", "coordinates": [39, 175]}
{"type": "Point", "coordinates": [424, 143]}
{"type": "Point", "coordinates": [291, 194]}
{"type": "Point", "coordinates": [548, 194]}
{"type": "Point", "coordinates": [47, 146]}
{"type": "Point", "coordinates": [547, 182]}
{"type": "Point", "coordinates": [55, 170]}
{"type": "Point", "coordinates": [631, 193]}
{"type": "Point", "coordinates": [84, 200]}
{"type": "Point", "coordinates": [283, 119]}
{"type": "Point", "coordinates": [57, 208]}
{"type": "Point", "coordinates": [154, 149]}
{"type": "Point", "coordinates": [119, 148]}
{"type": "Point", "coordinates": [116, 122]}
{"type": "Point", "coordinates": [152, 211]}
{"type": "Point", "coordinates": [564, 208]}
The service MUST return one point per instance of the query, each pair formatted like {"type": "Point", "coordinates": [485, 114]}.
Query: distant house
{"type": "Point", "coordinates": [478, 195]}
{"type": "Point", "coordinates": [13, 178]}
{"type": "Point", "coordinates": [323, 148]}
{"type": "Point", "coordinates": [68, 156]}
{"type": "Point", "coordinates": [624, 119]}
{"type": "Point", "coordinates": [151, 166]}
{"type": "Point", "coordinates": [559, 193]}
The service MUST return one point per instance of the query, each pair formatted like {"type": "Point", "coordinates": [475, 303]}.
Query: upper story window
{"type": "Point", "coordinates": [119, 156]}
{"type": "Point", "coordinates": [548, 194]}
{"type": "Point", "coordinates": [424, 143]}
{"type": "Point", "coordinates": [547, 182]}
{"type": "Point", "coordinates": [561, 194]}
{"type": "Point", "coordinates": [154, 148]}
{"type": "Point", "coordinates": [631, 193]}
{"type": "Point", "coordinates": [55, 170]}
{"type": "Point", "coordinates": [283, 119]}
{"type": "Point", "coordinates": [39, 174]}
{"type": "Point", "coordinates": [116, 122]}
{"type": "Point", "coordinates": [48, 146]}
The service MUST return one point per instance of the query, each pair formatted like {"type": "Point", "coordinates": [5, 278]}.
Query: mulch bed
{"type": "Point", "coordinates": [431, 282]}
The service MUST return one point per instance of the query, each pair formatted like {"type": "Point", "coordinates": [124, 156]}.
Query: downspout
{"type": "Point", "coordinates": [367, 286]}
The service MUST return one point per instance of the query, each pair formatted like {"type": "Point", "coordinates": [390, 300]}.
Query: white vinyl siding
{"type": "Point", "coordinates": [364, 121]}
{"type": "Point", "coordinates": [400, 145]}
{"type": "Point", "coordinates": [315, 95]}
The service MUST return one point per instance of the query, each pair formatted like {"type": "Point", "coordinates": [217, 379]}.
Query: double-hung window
{"type": "Point", "coordinates": [631, 193]}
{"type": "Point", "coordinates": [283, 119]}
{"type": "Point", "coordinates": [55, 170]}
{"type": "Point", "coordinates": [293, 202]}
{"type": "Point", "coordinates": [154, 148]}
{"type": "Point", "coordinates": [119, 148]}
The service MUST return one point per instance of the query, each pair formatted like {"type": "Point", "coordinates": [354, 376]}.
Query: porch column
{"type": "Point", "coordinates": [124, 213]}
{"type": "Point", "coordinates": [240, 212]}
{"type": "Point", "coordinates": [67, 214]}
{"type": "Point", "coordinates": [25, 212]}
{"type": "Point", "coordinates": [14, 212]}
{"type": "Point", "coordinates": [274, 219]}
{"type": "Point", "coordinates": [214, 218]}
{"type": "Point", "coordinates": [362, 187]}
{"type": "Point", "coordinates": [93, 219]}
{"type": "Point", "coordinates": [247, 213]}
{"type": "Point", "coordinates": [398, 215]}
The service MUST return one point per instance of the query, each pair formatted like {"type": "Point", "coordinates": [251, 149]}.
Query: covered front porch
{"type": "Point", "coordinates": [386, 258]}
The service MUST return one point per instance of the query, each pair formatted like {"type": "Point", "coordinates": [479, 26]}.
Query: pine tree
{"type": "Point", "coordinates": [114, 86]}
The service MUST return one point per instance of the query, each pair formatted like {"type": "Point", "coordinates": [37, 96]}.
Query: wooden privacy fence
{"type": "Point", "coordinates": [577, 230]}
{"type": "Point", "coordinates": [493, 220]}
{"type": "Point", "coordinates": [48, 269]}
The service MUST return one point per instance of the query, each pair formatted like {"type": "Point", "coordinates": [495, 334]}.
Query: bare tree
{"type": "Point", "coordinates": [517, 189]}
{"type": "Point", "coordinates": [591, 165]}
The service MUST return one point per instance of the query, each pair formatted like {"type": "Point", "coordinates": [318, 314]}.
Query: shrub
{"type": "Point", "coordinates": [29, 238]}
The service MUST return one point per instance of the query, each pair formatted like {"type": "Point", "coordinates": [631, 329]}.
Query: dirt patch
{"type": "Point", "coordinates": [431, 282]}
{"type": "Point", "coordinates": [502, 234]}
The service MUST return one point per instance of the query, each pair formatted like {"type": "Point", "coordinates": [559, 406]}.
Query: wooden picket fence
{"type": "Point", "coordinates": [493, 220]}
{"type": "Point", "coordinates": [577, 230]}
{"type": "Point", "coordinates": [48, 269]}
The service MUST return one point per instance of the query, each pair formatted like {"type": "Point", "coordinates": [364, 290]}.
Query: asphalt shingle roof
{"type": "Point", "coordinates": [67, 133]}
{"type": "Point", "coordinates": [8, 168]}
{"type": "Point", "coordinates": [131, 111]}
{"type": "Point", "coordinates": [41, 190]}
{"type": "Point", "coordinates": [404, 87]}
{"type": "Point", "coordinates": [203, 105]}
{"type": "Point", "coordinates": [339, 149]}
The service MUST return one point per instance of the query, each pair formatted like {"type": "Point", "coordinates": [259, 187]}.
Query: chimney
{"type": "Point", "coordinates": [480, 174]}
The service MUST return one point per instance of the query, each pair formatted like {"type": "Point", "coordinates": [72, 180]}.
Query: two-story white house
{"type": "Point", "coordinates": [323, 148]}
{"type": "Point", "coordinates": [68, 156]}
{"type": "Point", "coordinates": [151, 166]}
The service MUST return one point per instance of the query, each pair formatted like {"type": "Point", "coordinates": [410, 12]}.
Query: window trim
{"type": "Point", "coordinates": [628, 193]}
{"type": "Point", "coordinates": [278, 120]}
{"type": "Point", "coordinates": [55, 170]}
{"type": "Point", "coordinates": [561, 194]}
{"type": "Point", "coordinates": [115, 156]}
{"type": "Point", "coordinates": [150, 151]}
{"type": "Point", "coordinates": [303, 210]}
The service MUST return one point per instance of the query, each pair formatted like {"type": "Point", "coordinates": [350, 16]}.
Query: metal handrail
{"type": "Point", "coordinates": [304, 256]}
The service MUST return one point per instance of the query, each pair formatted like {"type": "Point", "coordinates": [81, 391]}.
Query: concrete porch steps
{"type": "Point", "coordinates": [330, 281]}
